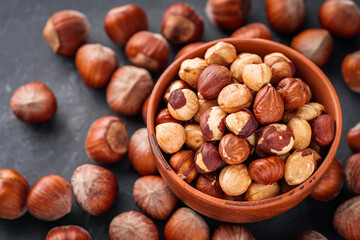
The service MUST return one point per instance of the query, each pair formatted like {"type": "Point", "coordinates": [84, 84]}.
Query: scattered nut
{"type": "Point", "coordinates": [350, 74]}
{"type": "Point", "coordinates": [253, 30]}
{"type": "Point", "coordinates": [207, 158]}
{"type": "Point", "coordinates": [275, 139]}
{"type": "Point", "coordinates": [191, 69]}
{"type": "Point", "coordinates": [178, 84]}
{"type": "Point", "coordinates": [352, 173]}
{"type": "Point", "coordinates": [311, 235]}
{"type": "Point", "coordinates": [346, 218]}
{"type": "Point", "coordinates": [170, 136]}
{"type": "Point", "coordinates": [299, 166]}
{"type": "Point", "coordinates": [232, 231]}
{"type": "Point", "coordinates": [188, 48]}
{"type": "Point", "coordinates": [237, 67]}
{"type": "Point", "coordinates": [353, 138]}
{"type": "Point", "coordinates": [233, 149]}
{"type": "Point", "coordinates": [307, 112]}
{"type": "Point", "coordinates": [234, 97]}
{"type": "Point", "coordinates": [302, 132]}
{"type": "Point", "coordinates": [242, 123]}
{"type": "Point", "coordinates": [204, 105]}
{"type": "Point", "coordinates": [257, 191]}
{"type": "Point", "coordinates": [164, 116]}
{"type": "Point", "coordinates": [212, 124]}
{"type": "Point", "coordinates": [209, 184]}
{"type": "Point", "coordinates": [255, 76]}
{"type": "Point", "coordinates": [182, 162]}
{"type": "Point", "coordinates": [183, 104]}
{"type": "Point", "coordinates": [194, 138]}
{"type": "Point", "coordinates": [221, 53]}
{"type": "Point", "coordinates": [293, 92]}
{"type": "Point", "coordinates": [323, 129]}
{"type": "Point", "coordinates": [234, 179]}
{"type": "Point", "coordinates": [267, 170]}
{"type": "Point", "coordinates": [69, 232]}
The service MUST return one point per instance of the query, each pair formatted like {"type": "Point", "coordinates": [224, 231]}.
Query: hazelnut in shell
{"type": "Point", "coordinates": [349, 69]}
{"type": "Point", "coordinates": [352, 173]}
{"type": "Point", "coordinates": [346, 218]}
{"type": "Point", "coordinates": [253, 30]}
{"type": "Point", "coordinates": [70, 232]}
{"type": "Point", "coordinates": [311, 235]}
{"type": "Point", "coordinates": [353, 138]}
{"type": "Point", "coordinates": [232, 231]}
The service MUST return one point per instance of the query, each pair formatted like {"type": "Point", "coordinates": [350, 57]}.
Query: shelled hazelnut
{"type": "Point", "coordinates": [212, 124]}
{"type": "Point", "coordinates": [233, 149]}
{"type": "Point", "coordinates": [323, 130]}
{"type": "Point", "coordinates": [170, 136]}
{"type": "Point", "coordinates": [293, 92]}
{"type": "Point", "coordinates": [194, 138]}
{"type": "Point", "coordinates": [70, 232]}
{"type": "Point", "coordinates": [353, 138]}
{"type": "Point", "coordinates": [237, 67]}
{"type": "Point", "coordinates": [267, 57]}
{"type": "Point", "coordinates": [234, 97]}
{"type": "Point", "coordinates": [191, 69]}
{"type": "Point", "coordinates": [232, 231]}
{"type": "Point", "coordinates": [349, 71]}
{"type": "Point", "coordinates": [221, 53]}
{"type": "Point", "coordinates": [188, 48]}
{"type": "Point", "coordinates": [311, 235]}
{"type": "Point", "coordinates": [164, 116]}
{"type": "Point", "coordinates": [255, 76]}
{"type": "Point", "coordinates": [207, 158]}
{"type": "Point", "coordinates": [299, 166]}
{"type": "Point", "coordinates": [203, 106]}
{"type": "Point", "coordinates": [267, 170]}
{"type": "Point", "coordinates": [275, 139]}
{"type": "Point", "coordinates": [242, 123]}
{"type": "Point", "coordinates": [177, 84]}
{"type": "Point", "coordinates": [307, 112]}
{"type": "Point", "coordinates": [253, 30]}
{"type": "Point", "coordinates": [352, 173]}
{"type": "Point", "coordinates": [302, 132]}
{"type": "Point", "coordinates": [183, 104]}
{"type": "Point", "coordinates": [234, 179]}
{"type": "Point", "coordinates": [280, 69]}
{"type": "Point", "coordinates": [346, 218]}
{"type": "Point", "coordinates": [209, 184]}
{"type": "Point", "coordinates": [258, 191]}
{"type": "Point", "coordinates": [182, 162]}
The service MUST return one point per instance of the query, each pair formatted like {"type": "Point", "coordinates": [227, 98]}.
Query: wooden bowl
{"type": "Point", "coordinates": [247, 211]}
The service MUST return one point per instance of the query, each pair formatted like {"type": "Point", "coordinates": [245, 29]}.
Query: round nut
{"type": "Point", "coordinates": [353, 138]}
{"type": "Point", "coordinates": [204, 105]}
{"type": "Point", "coordinates": [191, 69]}
{"type": "Point", "coordinates": [293, 92]}
{"type": "Point", "coordinates": [232, 231]}
{"type": "Point", "coordinates": [237, 67]}
{"type": "Point", "coordinates": [323, 130]}
{"type": "Point", "coordinates": [349, 67]}
{"type": "Point", "coordinates": [234, 97]}
{"type": "Point", "coordinates": [242, 123]}
{"type": "Point", "coordinates": [352, 173]}
{"type": "Point", "coordinates": [267, 170]}
{"type": "Point", "coordinates": [170, 136]}
{"type": "Point", "coordinates": [302, 132]}
{"type": "Point", "coordinates": [209, 184]}
{"type": "Point", "coordinates": [255, 76]}
{"type": "Point", "coordinates": [258, 191]}
{"type": "Point", "coordinates": [68, 232]}
{"type": "Point", "coordinates": [307, 112]}
{"type": "Point", "coordinates": [194, 138]}
{"type": "Point", "coordinates": [233, 149]}
{"type": "Point", "coordinates": [212, 124]}
{"type": "Point", "coordinates": [346, 218]}
{"type": "Point", "coordinates": [253, 30]}
{"type": "Point", "coordinates": [164, 116]}
{"type": "Point", "coordinates": [234, 179]}
{"type": "Point", "coordinates": [268, 57]}
{"type": "Point", "coordinates": [183, 104]}
{"type": "Point", "coordinates": [182, 162]}
{"type": "Point", "coordinates": [221, 53]}
{"type": "Point", "coordinates": [299, 166]}
{"type": "Point", "coordinates": [311, 235]}
{"type": "Point", "coordinates": [280, 68]}
{"type": "Point", "coordinates": [207, 158]}
{"type": "Point", "coordinates": [178, 84]}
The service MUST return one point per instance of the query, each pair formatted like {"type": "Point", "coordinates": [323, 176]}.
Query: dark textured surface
{"type": "Point", "coordinates": [57, 147]}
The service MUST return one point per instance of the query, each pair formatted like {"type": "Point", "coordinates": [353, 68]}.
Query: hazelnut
{"type": "Point", "coordinates": [353, 138]}
{"type": "Point", "coordinates": [311, 235]}
{"type": "Point", "coordinates": [209, 184]}
{"type": "Point", "coordinates": [66, 31]}
{"type": "Point", "coordinates": [299, 166]}
{"type": "Point", "coordinates": [341, 18]}
{"type": "Point", "coordinates": [207, 158]}
{"type": "Point", "coordinates": [268, 58]}
{"type": "Point", "coordinates": [268, 105]}
{"type": "Point", "coordinates": [191, 69]}
{"type": "Point", "coordinates": [13, 192]}
{"type": "Point", "coordinates": [154, 197]}
{"type": "Point", "coordinates": [116, 22]}
{"type": "Point", "coordinates": [285, 16]}
{"type": "Point", "coordinates": [33, 102]}
{"type": "Point", "coordinates": [212, 124]}
{"type": "Point", "coordinates": [203, 106]}
{"type": "Point", "coordinates": [188, 48]}
{"type": "Point", "coordinates": [308, 93]}
{"type": "Point", "coordinates": [228, 15]}
{"type": "Point", "coordinates": [140, 154]}
{"type": "Point", "coordinates": [181, 24]}
{"type": "Point", "coordinates": [128, 88]}
{"type": "Point", "coordinates": [69, 232]}
{"type": "Point", "coordinates": [177, 84]}
{"type": "Point", "coordinates": [107, 140]}
{"type": "Point", "coordinates": [183, 104]}
{"type": "Point", "coordinates": [133, 225]}
{"type": "Point", "coordinates": [234, 97]}
{"type": "Point", "coordinates": [170, 136]}
{"type": "Point", "coordinates": [352, 173]}
{"type": "Point", "coordinates": [255, 76]}
{"type": "Point", "coordinates": [275, 139]}
{"type": "Point", "coordinates": [147, 50]}
{"type": "Point", "coordinates": [253, 30]}
{"type": "Point", "coordinates": [234, 179]}
{"type": "Point", "coordinates": [349, 67]}
{"type": "Point", "coordinates": [212, 80]}
{"type": "Point", "coordinates": [232, 231]}
{"type": "Point", "coordinates": [242, 123]}
{"type": "Point", "coordinates": [233, 149]}
{"type": "Point", "coordinates": [237, 67]}
{"type": "Point", "coordinates": [330, 184]}
{"type": "Point", "coordinates": [346, 218]}
{"type": "Point", "coordinates": [49, 198]}
{"type": "Point", "coordinates": [323, 130]}
{"type": "Point", "coordinates": [258, 191]}
{"type": "Point", "coordinates": [267, 170]}
{"type": "Point", "coordinates": [302, 132]}
{"type": "Point", "coordinates": [307, 112]}
{"type": "Point", "coordinates": [315, 44]}
{"type": "Point", "coordinates": [164, 116]}
{"type": "Point", "coordinates": [280, 69]}
{"type": "Point", "coordinates": [221, 53]}
{"type": "Point", "coordinates": [182, 162]}
{"type": "Point", "coordinates": [293, 92]}
{"type": "Point", "coordinates": [194, 138]}
{"type": "Point", "coordinates": [144, 108]}
{"type": "Point", "coordinates": [96, 64]}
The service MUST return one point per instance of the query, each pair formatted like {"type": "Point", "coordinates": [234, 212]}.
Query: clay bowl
{"type": "Point", "coordinates": [247, 211]}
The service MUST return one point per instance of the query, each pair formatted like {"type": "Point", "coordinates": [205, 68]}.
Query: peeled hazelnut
{"type": "Point", "coordinates": [65, 31]}
{"type": "Point", "coordinates": [267, 170]}
{"type": "Point", "coordinates": [211, 80]}
{"type": "Point", "coordinates": [188, 48]}
{"type": "Point", "coordinates": [228, 15]}
{"type": "Point", "coordinates": [237, 67]}
{"type": "Point", "coordinates": [233, 149]}
{"type": "Point", "coordinates": [253, 30]}
{"type": "Point", "coordinates": [307, 112]}
{"type": "Point", "coordinates": [349, 67]}
{"type": "Point", "coordinates": [258, 191]}
{"type": "Point", "coordinates": [70, 232]}
{"type": "Point", "coordinates": [268, 105]}
{"type": "Point", "coordinates": [13, 192]}
{"type": "Point", "coordinates": [293, 92]}
{"type": "Point", "coordinates": [275, 139]}
{"type": "Point", "coordinates": [285, 16]}
{"type": "Point", "coordinates": [170, 136]}
{"type": "Point", "coordinates": [116, 22]}
{"type": "Point", "coordinates": [204, 105]}
{"type": "Point", "coordinates": [299, 166]}
{"type": "Point", "coordinates": [133, 225]}
{"type": "Point", "coordinates": [164, 116]}
{"type": "Point", "coordinates": [33, 102]}
{"type": "Point", "coordinates": [212, 124]}
{"type": "Point", "coordinates": [107, 140]}
{"type": "Point", "coordinates": [147, 50]}
{"type": "Point", "coordinates": [341, 18]}
{"type": "Point", "coordinates": [209, 184]}
{"type": "Point", "coordinates": [194, 138]}
{"type": "Point", "coordinates": [191, 69]}
{"type": "Point", "coordinates": [323, 130]}
{"type": "Point", "coordinates": [255, 76]}
{"type": "Point", "coordinates": [311, 235]}
{"type": "Point", "coordinates": [144, 108]}
{"type": "Point", "coordinates": [302, 132]}
{"type": "Point", "coordinates": [234, 179]}
{"type": "Point", "coordinates": [280, 69]}
{"type": "Point", "coordinates": [269, 57]}
{"type": "Point", "coordinates": [315, 44]}
{"type": "Point", "coordinates": [177, 84]}
{"type": "Point", "coordinates": [242, 123]}
{"type": "Point", "coordinates": [186, 224]}
{"type": "Point", "coordinates": [234, 97]}
{"type": "Point", "coordinates": [128, 88]}
{"type": "Point", "coordinates": [154, 197]}
{"type": "Point", "coordinates": [207, 158]}
{"type": "Point", "coordinates": [353, 138]}
{"type": "Point", "coordinates": [96, 64]}
{"type": "Point", "coordinates": [181, 24]}
{"type": "Point", "coordinates": [49, 198]}
{"type": "Point", "coordinates": [182, 162]}
{"type": "Point", "coordinates": [346, 218]}
{"type": "Point", "coordinates": [232, 231]}
{"type": "Point", "coordinates": [330, 184]}
{"type": "Point", "coordinates": [221, 53]}
{"type": "Point", "coordinates": [183, 104]}
{"type": "Point", "coordinates": [352, 173]}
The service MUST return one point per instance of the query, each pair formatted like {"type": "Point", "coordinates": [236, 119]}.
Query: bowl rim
{"type": "Point", "coordinates": [291, 195]}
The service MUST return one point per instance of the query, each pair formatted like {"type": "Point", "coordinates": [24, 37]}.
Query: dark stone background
{"type": "Point", "coordinates": [57, 147]}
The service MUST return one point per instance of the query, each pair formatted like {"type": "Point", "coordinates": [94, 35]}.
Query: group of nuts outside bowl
{"type": "Point", "coordinates": [242, 124]}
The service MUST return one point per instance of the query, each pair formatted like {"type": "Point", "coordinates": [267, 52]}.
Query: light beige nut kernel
{"type": "Point", "coordinates": [234, 97]}
{"type": "Point", "coordinates": [238, 65]}
{"type": "Point", "coordinates": [299, 166]}
{"type": "Point", "coordinates": [302, 132]}
{"type": "Point", "coordinates": [170, 136]}
{"type": "Point", "coordinates": [204, 105]}
{"type": "Point", "coordinates": [234, 179]}
{"type": "Point", "coordinates": [194, 138]}
{"type": "Point", "coordinates": [258, 191]}
{"type": "Point", "coordinates": [242, 123]}
{"type": "Point", "coordinates": [183, 104]}
{"type": "Point", "coordinates": [256, 75]}
{"type": "Point", "coordinates": [221, 53]}
{"type": "Point", "coordinates": [190, 70]}
{"type": "Point", "coordinates": [307, 112]}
